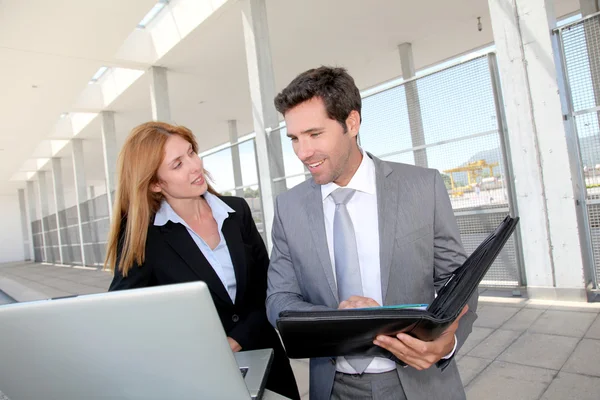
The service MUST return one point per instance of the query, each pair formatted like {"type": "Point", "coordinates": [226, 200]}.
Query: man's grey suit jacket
{"type": "Point", "coordinates": [419, 248]}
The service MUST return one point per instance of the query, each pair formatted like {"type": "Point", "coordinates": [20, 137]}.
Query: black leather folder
{"type": "Point", "coordinates": [351, 332]}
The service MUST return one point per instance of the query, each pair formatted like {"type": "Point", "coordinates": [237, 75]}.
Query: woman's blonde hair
{"type": "Point", "coordinates": [135, 202]}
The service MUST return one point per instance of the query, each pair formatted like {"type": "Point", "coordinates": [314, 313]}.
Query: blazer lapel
{"type": "Point", "coordinates": [177, 236]}
{"type": "Point", "coordinates": [387, 205]}
{"type": "Point", "coordinates": [314, 210]}
{"type": "Point", "coordinates": [232, 233]}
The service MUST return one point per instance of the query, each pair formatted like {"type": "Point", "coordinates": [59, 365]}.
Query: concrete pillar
{"type": "Point", "coordinates": [109, 149]}
{"type": "Point", "coordinates": [235, 157]}
{"type": "Point", "coordinates": [43, 201]}
{"type": "Point", "coordinates": [94, 229]}
{"type": "Point", "coordinates": [24, 226]}
{"type": "Point", "coordinates": [546, 189]}
{"type": "Point", "coordinates": [262, 92]}
{"type": "Point", "coordinates": [80, 190]}
{"type": "Point", "coordinates": [32, 213]}
{"type": "Point", "coordinates": [413, 104]}
{"type": "Point", "coordinates": [159, 94]}
{"type": "Point", "coordinates": [59, 199]}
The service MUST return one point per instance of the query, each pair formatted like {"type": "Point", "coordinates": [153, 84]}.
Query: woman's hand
{"type": "Point", "coordinates": [235, 346]}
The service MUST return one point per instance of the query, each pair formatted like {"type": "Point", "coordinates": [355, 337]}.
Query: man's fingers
{"type": "Point", "coordinates": [356, 298]}
{"type": "Point", "coordinates": [417, 345]}
{"type": "Point", "coordinates": [344, 304]}
{"type": "Point", "coordinates": [358, 302]}
{"type": "Point", "coordinates": [363, 301]}
{"type": "Point", "coordinates": [397, 346]}
{"type": "Point", "coordinates": [372, 303]}
{"type": "Point", "coordinates": [403, 352]}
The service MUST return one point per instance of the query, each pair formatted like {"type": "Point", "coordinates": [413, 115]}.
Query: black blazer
{"type": "Point", "coordinates": [173, 257]}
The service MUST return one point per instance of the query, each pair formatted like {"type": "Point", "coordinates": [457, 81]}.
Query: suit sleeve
{"type": "Point", "coordinates": [449, 254]}
{"type": "Point", "coordinates": [248, 329]}
{"type": "Point", "coordinates": [139, 276]}
{"type": "Point", "coordinates": [283, 291]}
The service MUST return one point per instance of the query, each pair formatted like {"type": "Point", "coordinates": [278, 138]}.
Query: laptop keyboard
{"type": "Point", "coordinates": [243, 371]}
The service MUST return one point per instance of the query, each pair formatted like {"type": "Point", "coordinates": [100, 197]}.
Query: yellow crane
{"type": "Point", "coordinates": [473, 170]}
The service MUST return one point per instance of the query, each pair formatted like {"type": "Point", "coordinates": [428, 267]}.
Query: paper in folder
{"type": "Point", "coordinates": [347, 332]}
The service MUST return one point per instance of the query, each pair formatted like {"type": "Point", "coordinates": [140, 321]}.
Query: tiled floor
{"type": "Point", "coordinates": [532, 350]}
{"type": "Point", "coordinates": [519, 348]}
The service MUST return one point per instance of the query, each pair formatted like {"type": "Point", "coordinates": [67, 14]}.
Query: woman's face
{"type": "Point", "coordinates": [181, 173]}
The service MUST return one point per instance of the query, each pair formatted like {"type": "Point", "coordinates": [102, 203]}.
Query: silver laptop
{"type": "Point", "coordinates": [164, 342]}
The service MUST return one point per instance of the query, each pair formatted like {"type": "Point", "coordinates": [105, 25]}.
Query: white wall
{"type": "Point", "coordinates": [11, 235]}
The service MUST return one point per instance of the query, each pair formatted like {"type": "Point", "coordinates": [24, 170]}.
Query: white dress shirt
{"type": "Point", "coordinates": [362, 208]}
{"type": "Point", "coordinates": [219, 257]}
{"type": "Point", "coordinates": [363, 211]}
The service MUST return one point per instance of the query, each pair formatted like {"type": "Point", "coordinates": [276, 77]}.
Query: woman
{"type": "Point", "coordinates": [170, 226]}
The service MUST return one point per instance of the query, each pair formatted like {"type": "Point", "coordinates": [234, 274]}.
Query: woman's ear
{"type": "Point", "coordinates": [155, 187]}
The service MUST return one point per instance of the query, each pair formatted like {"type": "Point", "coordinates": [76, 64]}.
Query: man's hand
{"type": "Point", "coordinates": [358, 302]}
{"type": "Point", "coordinates": [235, 346]}
{"type": "Point", "coordinates": [417, 353]}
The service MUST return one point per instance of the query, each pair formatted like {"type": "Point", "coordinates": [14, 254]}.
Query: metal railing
{"type": "Point", "coordinates": [464, 138]}
{"type": "Point", "coordinates": [237, 177]}
{"type": "Point", "coordinates": [579, 48]}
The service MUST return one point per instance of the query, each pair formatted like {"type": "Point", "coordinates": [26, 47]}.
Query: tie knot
{"type": "Point", "coordinates": [342, 195]}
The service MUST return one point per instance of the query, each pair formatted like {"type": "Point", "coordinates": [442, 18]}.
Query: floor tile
{"type": "Point", "coordinates": [470, 367]}
{"type": "Point", "coordinates": [594, 330]}
{"type": "Point", "coordinates": [522, 320]}
{"type": "Point", "coordinates": [492, 346]}
{"type": "Point", "coordinates": [494, 316]}
{"type": "Point", "coordinates": [585, 359]}
{"type": "Point", "coordinates": [572, 386]}
{"type": "Point", "coordinates": [540, 350]}
{"type": "Point", "coordinates": [593, 308]}
{"type": "Point", "coordinates": [564, 323]}
{"type": "Point", "coordinates": [476, 336]}
{"type": "Point", "coordinates": [501, 381]}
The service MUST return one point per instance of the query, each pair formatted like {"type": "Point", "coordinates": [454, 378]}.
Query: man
{"type": "Point", "coordinates": [362, 232]}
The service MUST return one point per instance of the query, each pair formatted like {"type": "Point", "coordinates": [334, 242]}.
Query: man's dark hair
{"type": "Point", "coordinates": [333, 85]}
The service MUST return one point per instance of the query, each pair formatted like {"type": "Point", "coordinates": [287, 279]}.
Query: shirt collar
{"type": "Point", "coordinates": [363, 179]}
{"type": "Point", "coordinates": [219, 209]}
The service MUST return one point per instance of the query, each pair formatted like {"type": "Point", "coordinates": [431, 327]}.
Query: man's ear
{"type": "Point", "coordinates": [353, 123]}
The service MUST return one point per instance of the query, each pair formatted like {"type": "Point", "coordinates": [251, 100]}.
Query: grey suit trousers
{"type": "Point", "coordinates": [385, 386]}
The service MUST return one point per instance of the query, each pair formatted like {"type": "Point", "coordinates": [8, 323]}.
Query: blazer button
{"type": "Point", "coordinates": [235, 318]}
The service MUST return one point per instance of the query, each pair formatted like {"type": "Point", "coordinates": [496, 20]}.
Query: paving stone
{"type": "Point", "coordinates": [540, 350]}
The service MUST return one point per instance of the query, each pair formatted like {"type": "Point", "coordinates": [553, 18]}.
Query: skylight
{"type": "Point", "coordinates": [98, 74]}
{"type": "Point", "coordinates": [158, 7]}
{"type": "Point", "coordinates": [568, 20]}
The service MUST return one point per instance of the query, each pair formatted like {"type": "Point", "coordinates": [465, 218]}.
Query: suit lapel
{"type": "Point", "coordinates": [387, 209]}
{"type": "Point", "coordinates": [177, 236]}
{"type": "Point", "coordinates": [314, 210]}
{"type": "Point", "coordinates": [232, 233]}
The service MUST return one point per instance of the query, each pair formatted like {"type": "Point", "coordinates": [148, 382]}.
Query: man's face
{"type": "Point", "coordinates": [320, 142]}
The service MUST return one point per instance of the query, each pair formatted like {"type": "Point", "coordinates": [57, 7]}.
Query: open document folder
{"type": "Point", "coordinates": [346, 332]}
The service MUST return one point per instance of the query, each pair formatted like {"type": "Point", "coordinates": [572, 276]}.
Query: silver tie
{"type": "Point", "coordinates": [347, 268]}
